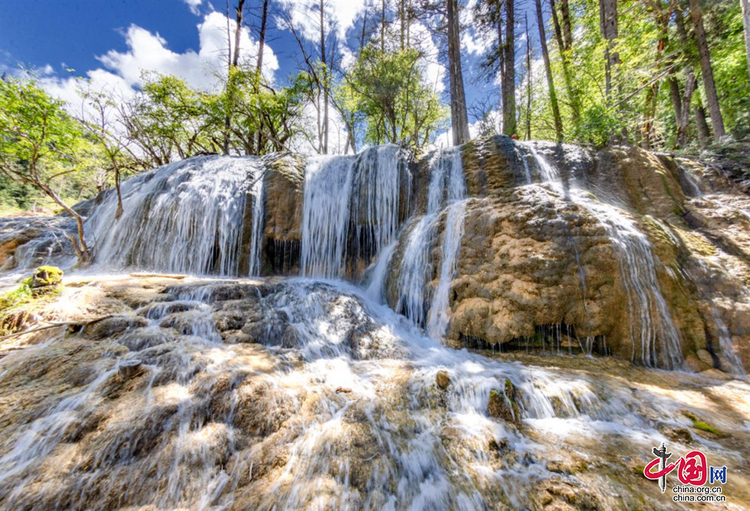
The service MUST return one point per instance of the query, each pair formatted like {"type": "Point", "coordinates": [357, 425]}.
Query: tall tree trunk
{"type": "Point", "coordinates": [382, 26]}
{"type": "Point", "coordinates": [609, 28]}
{"type": "Point", "coordinates": [746, 20]}
{"type": "Point", "coordinates": [262, 36]}
{"type": "Point", "coordinates": [238, 33]}
{"type": "Point", "coordinates": [700, 121]}
{"type": "Point", "coordinates": [508, 82]}
{"type": "Point", "coordinates": [402, 21]}
{"type": "Point", "coordinates": [528, 78]}
{"type": "Point", "coordinates": [564, 47]}
{"type": "Point", "coordinates": [685, 110]}
{"type": "Point", "coordinates": [567, 27]}
{"type": "Point", "coordinates": [709, 86]}
{"type": "Point", "coordinates": [459, 115]}
{"type": "Point", "coordinates": [325, 76]}
{"type": "Point", "coordinates": [259, 63]}
{"type": "Point", "coordinates": [548, 71]}
{"type": "Point", "coordinates": [227, 119]}
{"type": "Point", "coordinates": [364, 26]}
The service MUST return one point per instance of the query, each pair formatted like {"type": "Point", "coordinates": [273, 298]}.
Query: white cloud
{"type": "Point", "coordinates": [305, 16]}
{"type": "Point", "coordinates": [194, 6]}
{"type": "Point", "coordinates": [147, 51]}
{"type": "Point", "coordinates": [421, 38]}
{"type": "Point", "coordinates": [305, 142]}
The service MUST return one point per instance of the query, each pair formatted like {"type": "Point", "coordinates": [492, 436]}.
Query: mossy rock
{"type": "Point", "coordinates": [703, 426]}
{"type": "Point", "coordinates": [45, 276]}
{"type": "Point", "coordinates": [503, 404]}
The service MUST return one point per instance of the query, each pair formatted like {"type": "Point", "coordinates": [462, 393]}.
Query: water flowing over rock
{"type": "Point", "coordinates": [512, 245]}
{"type": "Point", "coordinates": [184, 217]}
{"type": "Point", "coordinates": [331, 378]}
{"type": "Point", "coordinates": [244, 394]}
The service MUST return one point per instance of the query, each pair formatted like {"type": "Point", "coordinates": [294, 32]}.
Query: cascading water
{"type": "Point", "coordinates": [447, 186]}
{"type": "Point", "coordinates": [335, 405]}
{"type": "Point", "coordinates": [297, 394]}
{"type": "Point", "coordinates": [256, 234]}
{"type": "Point", "coordinates": [349, 197]}
{"type": "Point", "coordinates": [325, 218]}
{"type": "Point", "coordinates": [377, 199]}
{"type": "Point", "coordinates": [184, 217]}
{"type": "Point", "coordinates": [654, 338]}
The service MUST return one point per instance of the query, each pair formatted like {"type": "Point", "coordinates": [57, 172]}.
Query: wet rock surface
{"type": "Point", "coordinates": [331, 401]}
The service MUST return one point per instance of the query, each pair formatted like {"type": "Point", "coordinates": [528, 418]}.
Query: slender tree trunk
{"type": "Point", "coordinates": [700, 121]}
{"type": "Point", "coordinates": [238, 33]}
{"type": "Point", "coordinates": [683, 124]}
{"type": "Point", "coordinates": [262, 36]}
{"type": "Point", "coordinates": [382, 26]}
{"type": "Point", "coordinates": [402, 21]}
{"type": "Point", "coordinates": [80, 246]}
{"type": "Point", "coordinates": [259, 63]}
{"type": "Point", "coordinates": [564, 48]}
{"type": "Point", "coordinates": [509, 76]}
{"type": "Point", "coordinates": [746, 20]}
{"type": "Point", "coordinates": [608, 22]}
{"type": "Point", "coordinates": [567, 26]}
{"type": "Point", "coordinates": [325, 76]}
{"type": "Point", "coordinates": [528, 78]}
{"type": "Point", "coordinates": [120, 209]}
{"type": "Point", "coordinates": [709, 86]}
{"type": "Point", "coordinates": [548, 71]}
{"type": "Point", "coordinates": [227, 119]}
{"type": "Point", "coordinates": [364, 26]}
{"type": "Point", "coordinates": [459, 116]}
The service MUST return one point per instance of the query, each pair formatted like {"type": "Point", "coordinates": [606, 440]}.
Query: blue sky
{"type": "Point", "coordinates": [109, 41]}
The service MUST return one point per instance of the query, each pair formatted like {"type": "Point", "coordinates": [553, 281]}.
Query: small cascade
{"type": "Point", "coordinates": [350, 203]}
{"type": "Point", "coordinates": [650, 319]}
{"type": "Point", "coordinates": [256, 233]}
{"type": "Point", "coordinates": [325, 217]}
{"type": "Point", "coordinates": [438, 319]}
{"type": "Point", "coordinates": [726, 345]}
{"type": "Point", "coordinates": [654, 338]}
{"type": "Point", "coordinates": [185, 217]}
{"type": "Point", "coordinates": [447, 186]}
{"type": "Point", "coordinates": [376, 199]}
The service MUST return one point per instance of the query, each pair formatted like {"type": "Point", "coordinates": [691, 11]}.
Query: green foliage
{"type": "Point", "coordinates": [16, 297]}
{"type": "Point", "coordinates": [640, 104]}
{"type": "Point", "coordinates": [388, 93]}
{"type": "Point", "coordinates": [42, 148]}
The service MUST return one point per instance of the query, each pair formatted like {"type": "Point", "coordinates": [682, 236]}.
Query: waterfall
{"type": "Point", "coordinates": [349, 199]}
{"type": "Point", "coordinates": [376, 199]}
{"type": "Point", "coordinates": [438, 319]}
{"type": "Point", "coordinates": [447, 186]}
{"type": "Point", "coordinates": [184, 217]}
{"type": "Point", "coordinates": [650, 320]}
{"type": "Point", "coordinates": [256, 234]}
{"type": "Point", "coordinates": [726, 345]}
{"type": "Point", "coordinates": [325, 217]}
